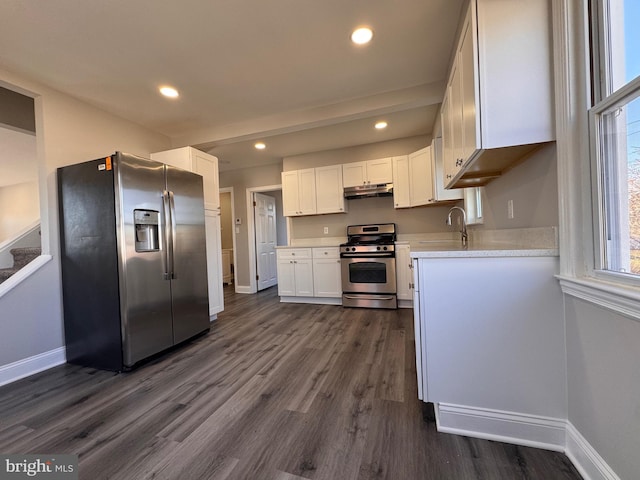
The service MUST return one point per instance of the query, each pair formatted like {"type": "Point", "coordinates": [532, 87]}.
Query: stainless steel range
{"type": "Point", "coordinates": [368, 261]}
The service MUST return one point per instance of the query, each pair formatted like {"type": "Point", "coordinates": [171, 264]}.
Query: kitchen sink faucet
{"type": "Point", "coordinates": [463, 229]}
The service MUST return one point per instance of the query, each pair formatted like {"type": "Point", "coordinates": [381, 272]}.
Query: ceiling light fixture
{"type": "Point", "coordinates": [381, 125]}
{"type": "Point", "coordinates": [260, 146]}
{"type": "Point", "coordinates": [169, 92]}
{"type": "Point", "coordinates": [362, 35]}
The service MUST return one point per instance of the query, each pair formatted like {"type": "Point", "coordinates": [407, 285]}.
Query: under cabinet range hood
{"type": "Point", "coordinates": [364, 191]}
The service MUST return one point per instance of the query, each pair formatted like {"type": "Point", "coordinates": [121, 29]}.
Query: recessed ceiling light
{"type": "Point", "coordinates": [362, 35]}
{"type": "Point", "coordinates": [381, 125]}
{"type": "Point", "coordinates": [260, 146]}
{"type": "Point", "coordinates": [169, 92]}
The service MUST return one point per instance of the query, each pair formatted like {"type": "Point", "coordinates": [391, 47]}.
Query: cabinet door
{"type": "Point", "coordinates": [403, 273]}
{"type": "Point", "coordinates": [354, 174]}
{"type": "Point", "coordinates": [207, 166]}
{"type": "Point", "coordinates": [448, 154]}
{"type": "Point", "coordinates": [329, 190]}
{"type": "Point", "coordinates": [419, 331]}
{"type": "Point", "coordinates": [214, 262]}
{"type": "Point", "coordinates": [327, 280]}
{"type": "Point", "coordinates": [456, 119]}
{"type": "Point", "coordinates": [379, 171]}
{"type": "Point", "coordinates": [420, 177]}
{"type": "Point", "coordinates": [401, 183]}
{"type": "Point", "coordinates": [290, 200]}
{"type": "Point", "coordinates": [468, 75]}
{"type": "Point", "coordinates": [303, 277]}
{"type": "Point", "coordinates": [307, 191]}
{"type": "Point", "coordinates": [286, 277]}
{"type": "Point", "coordinates": [437, 169]}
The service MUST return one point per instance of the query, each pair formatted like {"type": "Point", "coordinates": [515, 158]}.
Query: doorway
{"type": "Point", "coordinates": [264, 215]}
{"type": "Point", "coordinates": [227, 235]}
{"type": "Point", "coordinates": [254, 224]}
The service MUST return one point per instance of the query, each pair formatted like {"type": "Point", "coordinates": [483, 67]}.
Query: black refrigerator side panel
{"type": "Point", "coordinates": [89, 257]}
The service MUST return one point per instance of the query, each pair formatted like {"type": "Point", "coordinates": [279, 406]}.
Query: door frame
{"type": "Point", "coordinates": [233, 230]}
{"type": "Point", "coordinates": [251, 232]}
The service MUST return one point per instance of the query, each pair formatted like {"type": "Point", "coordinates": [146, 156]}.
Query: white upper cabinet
{"type": "Point", "coordinates": [413, 179]}
{"type": "Point", "coordinates": [193, 160]}
{"type": "Point", "coordinates": [420, 177]}
{"type": "Point", "coordinates": [299, 192]}
{"type": "Point", "coordinates": [401, 194]}
{"type": "Point", "coordinates": [498, 105]}
{"type": "Point", "coordinates": [329, 190]}
{"type": "Point", "coordinates": [439, 192]}
{"type": "Point", "coordinates": [371, 172]}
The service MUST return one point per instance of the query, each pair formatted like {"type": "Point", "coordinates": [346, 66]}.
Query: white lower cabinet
{"type": "Point", "coordinates": [214, 261]}
{"type": "Point", "coordinates": [490, 336]}
{"type": "Point", "coordinates": [313, 275]}
{"type": "Point", "coordinates": [295, 272]}
{"type": "Point", "coordinates": [327, 281]}
{"type": "Point", "coordinates": [404, 278]}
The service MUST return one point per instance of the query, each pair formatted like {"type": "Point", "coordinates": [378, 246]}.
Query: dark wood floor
{"type": "Point", "coordinates": [274, 391]}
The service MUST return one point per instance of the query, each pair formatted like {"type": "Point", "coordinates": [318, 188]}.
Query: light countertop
{"type": "Point", "coordinates": [456, 250]}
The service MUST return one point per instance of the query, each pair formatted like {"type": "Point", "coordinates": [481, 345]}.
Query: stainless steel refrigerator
{"type": "Point", "coordinates": [132, 241]}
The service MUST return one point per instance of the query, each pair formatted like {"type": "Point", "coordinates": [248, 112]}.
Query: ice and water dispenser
{"type": "Point", "coordinates": [146, 228]}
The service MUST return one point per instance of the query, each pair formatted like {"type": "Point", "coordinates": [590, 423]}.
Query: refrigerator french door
{"type": "Point", "coordinates": [133, 259]}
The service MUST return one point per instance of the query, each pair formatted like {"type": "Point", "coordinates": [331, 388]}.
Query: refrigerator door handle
{"type": "Point", "coordinates": [172, 210]}
{"type": "Point", "coordinates": [166, 216]}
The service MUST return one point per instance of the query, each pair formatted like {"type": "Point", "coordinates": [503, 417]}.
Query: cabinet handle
{"type": "Point", "coordinates": [326, 253]}
{"type": "Point", "coordinates": [448, 176]}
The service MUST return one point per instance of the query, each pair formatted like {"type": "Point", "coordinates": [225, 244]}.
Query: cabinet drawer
{"type": "Point", "coordinates": [291, 253]}
{"type": "Point", "coordinates": [326, 252]}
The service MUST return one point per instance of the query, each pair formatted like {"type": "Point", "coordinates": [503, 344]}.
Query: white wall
{"type": "Point", "coordinates": [68, 131]}
{"type": "Point", "coordinates": [533, 187]}
{"type": "Point", "coordinates": [603, 372]}
{"type": "Point", "coordinates": [19, 208]}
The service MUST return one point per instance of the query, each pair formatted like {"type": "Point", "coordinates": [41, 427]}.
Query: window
{"type": "Point", "coordinates": [615, 135]}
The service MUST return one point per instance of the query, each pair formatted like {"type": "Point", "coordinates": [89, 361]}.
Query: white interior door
{"type": "Point", "coordinates": [265, 218]}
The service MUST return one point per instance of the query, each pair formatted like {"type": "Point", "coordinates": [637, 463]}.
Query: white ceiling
{"type": "Point", "coordinates": [246, 69]}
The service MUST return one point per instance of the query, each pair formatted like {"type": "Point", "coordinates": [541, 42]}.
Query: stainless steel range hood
{"type": "Point", "coordinates": [364, 191]}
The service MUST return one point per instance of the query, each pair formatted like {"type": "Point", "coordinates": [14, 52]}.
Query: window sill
{"type": "Point", "coordinates": [623, 300]}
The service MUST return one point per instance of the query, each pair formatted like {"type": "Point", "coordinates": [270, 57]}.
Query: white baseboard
{"type": "Point", "coordinates": [520, 429]}
{"type": "Point", "coordinates": [313, 300]}
{"type": "Point", "coordinates": [528, 430]}
{"type": "Point", "coordinates": [585, 458]}
{"type": "Point", "coordinates": [244, 289]}
{"type": "Point", "coordinates": [28, 366]}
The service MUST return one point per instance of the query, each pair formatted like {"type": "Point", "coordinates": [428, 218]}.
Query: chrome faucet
{"type": "Point", "coordinates": [463, 229]}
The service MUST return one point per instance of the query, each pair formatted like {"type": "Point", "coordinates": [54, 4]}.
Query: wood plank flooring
{"type": "Point", "coordinates": [275, 392]}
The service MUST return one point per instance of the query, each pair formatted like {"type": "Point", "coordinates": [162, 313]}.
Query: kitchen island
{"type": "Point", "coordinates": [490, 338]}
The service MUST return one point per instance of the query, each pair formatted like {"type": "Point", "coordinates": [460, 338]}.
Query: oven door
{"type": "Point", "coordinates": [369, 275]}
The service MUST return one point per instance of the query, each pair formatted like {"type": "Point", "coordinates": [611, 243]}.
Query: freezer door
{"type": "Point", "coordinates": [189, 261]}
{"type": "Point", "coordinates": [145, 292]}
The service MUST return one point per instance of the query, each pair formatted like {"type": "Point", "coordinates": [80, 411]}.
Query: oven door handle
{"type": "Point", "coordinates": [368, 255]}
{"type": "Point", "coordinates": [367, 297]}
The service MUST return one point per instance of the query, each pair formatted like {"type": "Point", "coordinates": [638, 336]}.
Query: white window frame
{"type": "Point", "coordinates": [604, 102]}
{"type": "Point", "coordinates": [578, 274]}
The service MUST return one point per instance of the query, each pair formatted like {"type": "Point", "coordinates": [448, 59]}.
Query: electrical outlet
{"type": "Point", "coordinates": [510, 209]}
{"type": "Point", "coordinates": [326, 230]}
